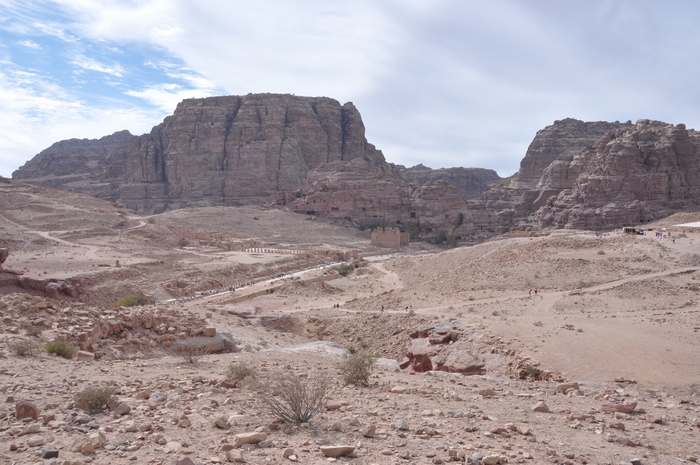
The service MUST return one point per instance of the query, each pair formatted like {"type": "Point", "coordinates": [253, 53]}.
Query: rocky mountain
{"type": "Point", "coordinates": [241, 150]}
{"type": "Point", "coordinates": [632, 175]}
{"type": "Point", "coordinates": [599, 176]}
{"type": "Point", "coordinates": [310, 155]}
{"type": "Point", "coordinates": [469, 182]}
{"type": "Point", "coordinates": [78, 164]}
{"type": "Point", "coordinates": [212, 151]}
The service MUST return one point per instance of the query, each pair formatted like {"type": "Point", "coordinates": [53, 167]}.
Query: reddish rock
{"type": "Point", "coordinates": [25, 409]}
{"type": "Point", "coordinates": [623, 408]}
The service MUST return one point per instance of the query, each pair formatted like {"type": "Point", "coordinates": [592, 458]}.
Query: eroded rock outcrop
{"type": "Point", "coordinates": [239, 150]}
{"type": "Point", "coordinates": [80, 165]}
{"type": "Point", "coordinates": [630, 176]}
{"type": "Point", "coordinates": [596, 176]}
{"type": "Point", "coordinates": [469, 182]}
{"type": "Point", "coordinates": [311, 155]}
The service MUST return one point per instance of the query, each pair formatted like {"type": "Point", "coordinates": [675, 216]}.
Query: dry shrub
{"type": "Point", "coordinates": [237, 372]}
{"type": "Point", "coordinates": [294, 399]}
{"type": "Point", "coordinates": [191, 353]}
{"type": "Point", "coordinates": [357, 369]}
{"type": "Point", "coordinates": [25, 348]}
{"type": "Point", "coordinates": [34, 331]}
{"type": "Point", "coordinates": [94, 398]}
{"type": "Point", "coordinates": [61, 348]}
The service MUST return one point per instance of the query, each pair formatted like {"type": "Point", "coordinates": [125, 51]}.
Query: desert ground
{"type": "Point", "coordinates": [600, 365]}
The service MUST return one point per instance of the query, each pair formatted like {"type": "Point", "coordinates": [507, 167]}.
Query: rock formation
{"type": "Point", "coordinates": [599, 176]}
{"type": "Point", "coordinates": [311, 155]}
{"type": "Point", "coordinates": [239, 150]}
{"type": "Point", "coordinates": [469, 182]}
{"type": "Point", "coordinates": [77, 164]}
{"type": "Point", "coordinates": [307, 152]}
{"type": "Point", "coordinates": [4, 253]}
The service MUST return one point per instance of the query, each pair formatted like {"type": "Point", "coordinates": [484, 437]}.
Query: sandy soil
{"type": "Point", "coordinates": [618, 314]}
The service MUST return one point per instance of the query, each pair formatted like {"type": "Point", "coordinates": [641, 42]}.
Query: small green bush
{"type": "Point", "coordinates": [94, 398]}
{"type": "Point", "coordinates": [357, 370]}
{"type": "Point", "coordinates": [237, 372]}
{"type": "Point", "coordinates": [24, 348]}
{"type": "Point", "coordinates": [532, 372]}
{"type": "Point", "coordinates": [130, 301]}
{"type": "Point", "coordinates": [61, 348]}
{"type": "Point", "coordinates": [345, 270]}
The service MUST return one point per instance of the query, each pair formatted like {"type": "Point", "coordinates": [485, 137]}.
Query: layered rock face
{"type": "Point", "coordinates": [630, 176]}
{"type": "Point", "coordinates": [377, 194]}
{"type": "Point", "coordinates": [597, 176]}
{"type": "Point", "coordinates": [311, 155]}
{"type": "Point", "coordinates": [239, 150]}
{"type": "Point", "coordinates": [80, 165]}
{"type": "Point", "coordinates": [232, 150]}
{"type": "Point", "coordinates": [469, 182]}
{"type": "Point", "coordinates": [515, 198]}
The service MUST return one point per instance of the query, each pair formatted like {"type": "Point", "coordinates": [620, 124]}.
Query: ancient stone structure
{"type": "Point", "coordinates": [389, 237]}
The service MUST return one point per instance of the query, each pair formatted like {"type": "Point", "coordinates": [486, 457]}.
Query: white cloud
{"type": "Point", "coordinates": [35, 113]}
{"type": "Point", "coordinates": [90, 64]}
{"type": "Point", "coordinates": [455, 82]}
{"type": "Point", "coordinates": [29, 44]}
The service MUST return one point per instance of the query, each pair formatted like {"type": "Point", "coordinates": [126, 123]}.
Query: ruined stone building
{"type": "Point", "coordinates": [389, 237]}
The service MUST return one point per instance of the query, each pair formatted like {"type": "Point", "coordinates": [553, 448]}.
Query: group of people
{"type": "Point", "coordinates": [531, 290]}
{"type": "Point", "coordinates": [407, 308]}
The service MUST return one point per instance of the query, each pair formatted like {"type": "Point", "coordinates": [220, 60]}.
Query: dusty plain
{"type": "Point", "coordinates": [616, 314]}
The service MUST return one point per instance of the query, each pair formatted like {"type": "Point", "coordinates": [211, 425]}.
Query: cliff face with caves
{"type": "Point", "coordinates": [310, 155]}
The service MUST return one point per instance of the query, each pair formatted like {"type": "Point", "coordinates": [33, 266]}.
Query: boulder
{"type": "Point", "coordinates": [337, 451]}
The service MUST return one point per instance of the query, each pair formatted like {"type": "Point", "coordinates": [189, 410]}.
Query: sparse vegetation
{"type": "Point", "coordinates": [237, 372]}
{"type": "Point", "coordinates": [538, 323]}
{"type": "Point", "coordinates": [412, 229]}
{"type": "Point", "coordinates": [61, 348]}
{"type": "Point", "coordinates": [133, 300]}
{"type": "Point", "coordinates": [34, 331]}
{"type": "Point", "coordinates": [533, 373]}
{"type": "Point", "coordinates": [94, 398]}
{"type": "Point", "coordinates": [191, 353]}
{"type": "Point", "coordinates": [357, 369]}
{"type": "Point", "coordinates": [25, 348]}
{"type": "Point", "coordinates": [345, 270]}
{"type": "Point", "coordinates": [295, 399]}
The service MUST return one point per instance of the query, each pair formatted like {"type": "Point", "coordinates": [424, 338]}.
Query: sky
{"type": "Point", "coordinates": [439, 82]}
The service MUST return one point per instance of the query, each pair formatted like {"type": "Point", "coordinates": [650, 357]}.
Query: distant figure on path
{"type": "Point", "coordinates": [382, 308]}
{"type": "Point", "coordinates": [535, 291]}
{"type": "Point", "coordinates": [529, 291]}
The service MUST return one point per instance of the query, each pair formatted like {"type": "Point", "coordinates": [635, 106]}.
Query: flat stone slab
{"type": "Point", "coordinates": [337, 451]}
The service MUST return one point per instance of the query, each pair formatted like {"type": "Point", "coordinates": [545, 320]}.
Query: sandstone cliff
{"type": "Point", "coordinates": [311, 155]}
{"type": "Point", "coordinates": [469, 182]}
{"type": "Point", "coordinates": [597, 176]}
{"type": "Point", "coordinates": [239, 150]}
{"type": "Point", "coordinates": [80, 165]}
{"type": "Point", "coordinates": [232, 150]}
{"type": "Point", "coordinates": [630, 176]}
